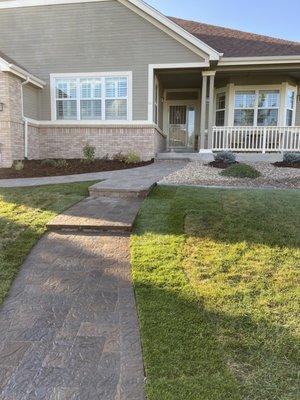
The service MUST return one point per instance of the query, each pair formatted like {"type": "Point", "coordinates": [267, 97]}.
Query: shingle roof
{"type": "Point", "coordinates": [234, 43]}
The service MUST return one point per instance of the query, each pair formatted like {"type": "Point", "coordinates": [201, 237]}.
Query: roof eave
{"type": "Point", "coordinates": [21, 73]}
{"type": "Point", "coordinates": [231, 61]}
{"type": "Point", "coordinates": [213, 54]}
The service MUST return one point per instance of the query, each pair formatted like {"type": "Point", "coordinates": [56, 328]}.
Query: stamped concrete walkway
{"type": "Point", "coordinates": [69, 329]}
{"type": "Point", "coordinates": [141, 177]}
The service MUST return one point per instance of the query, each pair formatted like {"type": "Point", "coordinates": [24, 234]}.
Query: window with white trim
{"type": "Point", "coordinates": [256, 108]}
{"type": "Point", "coordinates": [92, 98]}
{"type": "Point", "coordinates": [290, 107]}
{"type": "Point", "coordinates": [268, 107]}
{"type": "Point", "coordinates": [220, 108]}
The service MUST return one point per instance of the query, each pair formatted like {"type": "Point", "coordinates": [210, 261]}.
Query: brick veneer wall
{"type": "Point", "coordinates": [68, 142]}
{"type": "Point", "coordinates": [11, 123]}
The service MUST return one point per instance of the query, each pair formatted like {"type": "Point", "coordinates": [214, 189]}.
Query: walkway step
{"type": "Point", "coordinates": [98, 190]}
{"type": "Point", "coordinates": [98, 214]}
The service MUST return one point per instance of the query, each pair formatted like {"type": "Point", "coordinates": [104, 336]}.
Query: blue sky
{"type": "Point", "coordinates": [269, 17]}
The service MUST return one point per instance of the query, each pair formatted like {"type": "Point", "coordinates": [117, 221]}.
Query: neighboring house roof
{"type": "Point", "coordinates": [7, 64]}
{"type": "Point", "coordinates": [235, 43]}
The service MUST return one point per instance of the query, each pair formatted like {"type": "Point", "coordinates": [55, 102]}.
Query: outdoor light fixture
{"type": "Point", "coordinates": [1, 106]}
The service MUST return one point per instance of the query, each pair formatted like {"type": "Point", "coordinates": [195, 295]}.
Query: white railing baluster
{"type": "Point", "coordinates": [254, 139]}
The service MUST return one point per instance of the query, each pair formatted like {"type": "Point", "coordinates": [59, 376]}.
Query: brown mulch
{"type": "Point", "coordinates": [37, 168]}
{"type": "Point", "coordinates": [220, 164]}
{"type": "Point", "coordinates": [286, 165]}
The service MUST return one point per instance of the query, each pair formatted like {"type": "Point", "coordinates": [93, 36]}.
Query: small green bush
{"type": "Point", "coordinates": [88, 154]}
{"type": "Point", "coordinates": [50, 162]}
{"type": "Point", "coordinates": [291, 158]}
{"type": "Point", "coordinates": [132, 158]}
{"type": "Point", "coordinates": [241, 171]}
{"type": "Point", "coordinates": [18, 165]}
{"type": "Point", "coordinates": [63, 164]}
{"type": "Point", "coordinates": [226, 157]}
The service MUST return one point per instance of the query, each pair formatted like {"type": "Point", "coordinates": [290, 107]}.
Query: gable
{"type": "Point", "coordinates": [86, 37]}
{"type": "Point", "coordinates": [141, 8]}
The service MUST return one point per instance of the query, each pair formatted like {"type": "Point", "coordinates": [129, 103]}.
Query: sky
{"type": "Point", "coordinates": [278, 18]}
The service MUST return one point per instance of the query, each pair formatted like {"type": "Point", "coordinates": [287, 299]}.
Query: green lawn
{"type": "Point", "coordinates": [216, 274]}
{"type": "Point", "coordinates": [24, 213]}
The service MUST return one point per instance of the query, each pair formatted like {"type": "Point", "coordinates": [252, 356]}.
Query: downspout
{"type": "Point", "coordinates": [24, 120]}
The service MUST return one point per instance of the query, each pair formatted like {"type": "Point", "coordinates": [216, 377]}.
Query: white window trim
{"type": "Point", "coordinates": [282, 88]}
{"type": "Point", "coordinates": [127, 74]}
{"type": "Point", "coordinates": [217, 91]}
{"type": "Point", "coordinates": [294, 90]}
{"type": "Point", "coordinates": [156, 101]}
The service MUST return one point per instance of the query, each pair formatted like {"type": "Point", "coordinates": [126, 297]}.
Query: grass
{"type": "Point", "coordinates": [215, 274]}
{"type": "Point", "coordinates": [241, 171]}
{"type": "Point", "coordinates": [24, 213]}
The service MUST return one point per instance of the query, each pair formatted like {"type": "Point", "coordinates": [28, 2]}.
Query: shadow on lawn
{"type": "Point", "coordinates": [186, 346]}
{"type": "Point", "coordinates": [196, 353]}
{"type": "Point", "coordinates": [270, 218]}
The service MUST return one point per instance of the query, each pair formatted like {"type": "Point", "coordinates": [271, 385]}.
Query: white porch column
{"type": "Point", "coordinates": [203, 112]}
{"type": "Point", "coordinates": [211, 108]}
{"type": "Point", "coordinates": [210, 122]}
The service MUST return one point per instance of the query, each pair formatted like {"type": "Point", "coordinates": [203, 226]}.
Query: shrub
{"type": "Point", "coordinates": [18, 165]}
{"type": "Point", "coordinates": [132, 158]}
{"type": "Point", "coordinates": [241, 171]}
{"type": "Point", "coordinates": [61, 164]}
{"type": "Point", "coordinates": [291, 158]}
{"type": "Point", "coordinates": [88, 154]}
{"type": "Point", "coordinates": [227, 157]}
{"type": "Point", "coordinates": [50, 162]}
{"type": "Point", "coordinates": [119, 157]}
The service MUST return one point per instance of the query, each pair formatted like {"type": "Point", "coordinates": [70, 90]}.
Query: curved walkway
{"type": "Point", "coordinates": [141, 176]}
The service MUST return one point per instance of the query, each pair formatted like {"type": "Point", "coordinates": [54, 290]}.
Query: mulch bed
{"type": "Point", "coordinates": [285, 165]}
{"type": "Point", "coordinates": [220, 164]}
{"type": "Point", "coordinates": [36, 168]}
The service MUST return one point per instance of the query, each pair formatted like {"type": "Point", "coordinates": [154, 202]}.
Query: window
{"type": "Point", "coordinates": [268, 108]}
{"type": "Point", "coordinates": [92, 98]}
{"type": "Point", "coordinates": [290, 107]}
{"type": "Point", "coordinates": [66, 104]}
{"type": "Point", "coordinates": [220, 108]}
{"type": "Point", "coordinates": [244, 108]}
{"type": "Point", "coordinates": [256, 108]}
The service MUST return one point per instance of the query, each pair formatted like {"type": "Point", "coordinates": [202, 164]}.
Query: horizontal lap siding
{"type": "Point", "coordinates": [31, 101]}
{"type": "Point", "coordinates": [88, 37]}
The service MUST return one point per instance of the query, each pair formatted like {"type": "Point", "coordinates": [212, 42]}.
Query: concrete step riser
{"type": "Point", "coordinates": [90, 229]}
{"type": "Point", "coordinates": [118, 195]}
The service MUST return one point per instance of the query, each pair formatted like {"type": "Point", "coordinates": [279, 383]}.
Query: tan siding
{"type": "Point", "coordinates": [31, 101]}
{"type": "Point", "coordinates": [88, 37]}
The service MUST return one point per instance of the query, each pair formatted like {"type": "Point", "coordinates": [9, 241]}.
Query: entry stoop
{"type": "Point", "coordinates": [98, 214]}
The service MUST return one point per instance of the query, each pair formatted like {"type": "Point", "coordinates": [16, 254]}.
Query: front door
{"type": "Point", "coordinates": [181, 126]}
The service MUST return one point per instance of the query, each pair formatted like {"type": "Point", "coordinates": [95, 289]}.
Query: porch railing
{"type": "Point", "coordinates": [256, 139]}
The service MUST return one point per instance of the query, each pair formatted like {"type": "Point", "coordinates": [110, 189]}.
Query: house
{"type": "Point", "coordinates": [119, 75]}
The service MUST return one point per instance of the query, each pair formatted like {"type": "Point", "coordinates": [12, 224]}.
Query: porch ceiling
{"type": "Point", "coordinates": [192, 78]}
{"type": "Point", "coordinates": [180, 79]}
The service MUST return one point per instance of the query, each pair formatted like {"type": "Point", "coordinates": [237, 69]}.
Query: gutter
{"type": "Point", "coordinates": [24, 119]}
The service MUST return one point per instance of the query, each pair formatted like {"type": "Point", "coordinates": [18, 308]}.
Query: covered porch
{"type": "Point", "coordinates": [243, 109]}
